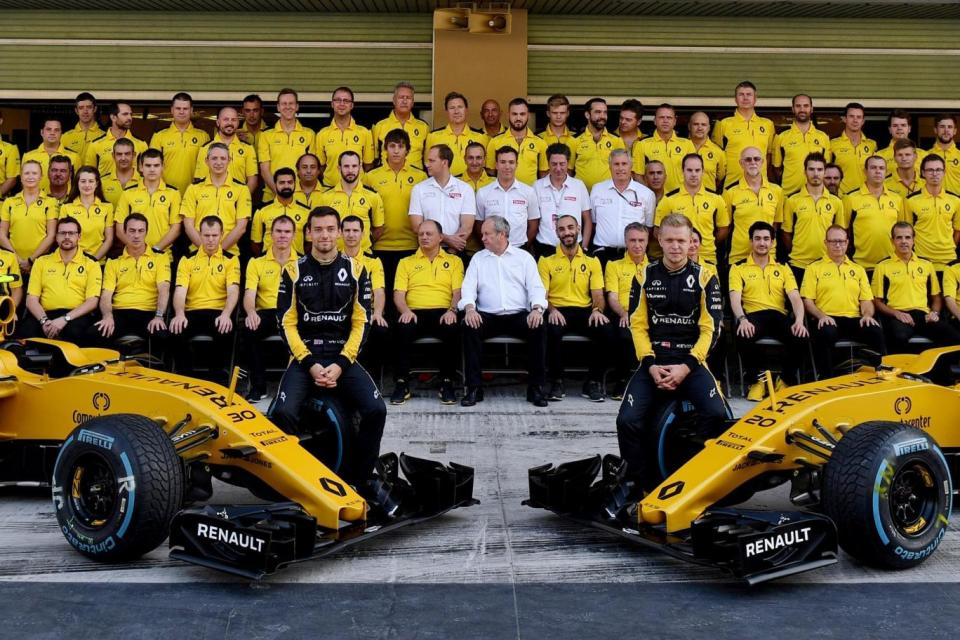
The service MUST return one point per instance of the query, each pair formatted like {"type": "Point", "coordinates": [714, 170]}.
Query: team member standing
{"type": "Point", "coordinates": [51, 147]}
{"type": "Point", "coordinates": [308, 180]}
{"type": "Point", "coordinates": [490, 115]}
{"type": "Point", "coordinates": [509, 198]}
{"type": "Point", "coordinates": [475, 159]}
{"type": "Point", "coordinates": [807, 215]}
{"type": "Point", "coordinates": [714, 158]}
{"type": "Point", "coordinates": [905, 178]}
{"type": "Point", "coordinates": [341, 135]}
{"type": "Point", "coordinates": [502, 294]}
{"type": "Point", "coordinates": [28, 220]}
{"type": "Point", "coordinates": [180, 143]}
{"type": "Point", "coordinates": [558, 113]}
{"type": "Point", "coordinates": [401, 117]}
{"type": "Point", "coordinates": [743, 129]}
{"type": "Point", "coordinates": [832, 177]}
{"type": "Point", "coordinates": [615, 203]}
{"type": "Point", "coordinates": [426, 294]}
{"type": "Point", "coordinates": [285, 204]}
{"type": "Point", "coordinates": [618, 280]}
{"type": "Point", "coordinates": [219, 196]}
{"type": "Point", "coordinates": [664, 145]}
{"type": "Point", "coordinates": [87, 129]}
{"type": "Point", "coordinates": [457, 135]}
{"type": "Point", "coordinates": [760, 288]}
{"type": "Point", "coordinates": [63, 291]}
{"type": "Point", "coordinates": [531, 150]}
{"type": "Point", "coordinates": [629, 129]}
{"type": "Point", "coordinates": [261, 284]}
{"type": "Point", "coordinates": [153, 199]}
{"type": "Point", "coordinates": [9, 165]}
{"type": "Point", "coordinates": [706, 211]}
{"type": "Point", "coordinates": [852, 148]}
{"type": "Point", "coordinates": [99, 153]}
{"type": "Point", "coordinates": [323, 322]}
{"type": "Point", "coordinates": [95, 215]}
{"type": "Point", "coordinates": [898, 124]}
{"type": "Point", "coordinates": [251, 109]}
{"type": "Point", "coordinates": [351, 198]}
{"type": "Point", "coordinates": [868, 215]}
{"type": "Point", "coordinates": [352, 234]}
{"type": "Point", "coordinates": [574, 286]}
{"type": "Point", "coordinates": [444, 198]}
{"type": "Point", "coordinates": [836, 295]}
{"type": "Point", "coordinates": [907, 296]}
{"type": "Point", "coordinates": [945, 147]}
{"type": "Point", "coordinates": [935, 214]}
{"type": "Point", "coordinates": [559, 194]}
{"type": "Point", "coordinates": [591, 150]}
{"type": "Point", "coordinates": [675, 324]}
{"type": "Point", "coordinates": [243, 157]}
{"type": "Point", "coordinates": [282, 145]}
{"type": "Point", "coordinates": [60, 179]}
{"type": "Point", "coordinates": [791, 147]}
{"type": "Point", "coordinates": [125, 175]}
{"type": "Point", "coordinates": [751, 199]}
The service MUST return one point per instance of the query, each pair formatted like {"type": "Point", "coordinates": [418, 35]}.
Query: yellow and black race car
{"type": "Point", "coordinates": [869, 457]}
{"type": "Point", "coordinates": [127, 447]}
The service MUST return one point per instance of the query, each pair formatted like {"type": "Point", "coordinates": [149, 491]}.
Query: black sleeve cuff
{"type": "Point", "coordinates": [343, 361]}
{"type": "Point", "coordinates": [648, 362]}
{"type": "Point", "coordinates": [691, 362]}
{"type": "Point", "coordinates": [309, 361]}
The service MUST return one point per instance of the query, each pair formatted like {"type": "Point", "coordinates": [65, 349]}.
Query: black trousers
{"type": "Point", "coordinates": [390, 260]}
{"type": "Point", "coordinates": [620, 348]}
{"type": "Point", "coordinates": [770, 324]}
{"type": "Point", "coordinates": [376, 349]}
{"type": "Point", "coordinates": [541, 249]}
{"type": "Point", "coordinates": [76, 331]}
{"type": "Point", "coordinates": [798, 274]}
{"type": "Point", "coordinates": [825, 339]}
{"type": "Point", "coordinates": [605, 254]}
{"type": "Point", "coordinates": [513, 324]}
{"type": "Point", "coordinates": [200, 322]}
{"type": "Point", "coordinates": [133, 322]}
{"type": "Point", "coordinates": [637, 434]}
{"type": "Point", "coordinates": [427, 326]}
{"type": "Point", "coordinates": [941, 333]}
{"type": "Point", "coordinates": [577, 324]}
{"type": "Point", "coordinates": [252, 346]}
{"type": "Point", "coordinates": [358, 393]}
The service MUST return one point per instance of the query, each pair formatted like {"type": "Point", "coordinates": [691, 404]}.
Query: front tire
{"type": "Point", "coordinates": [888, 489]}
{"type": "Point", "coordinates": [117, 483]}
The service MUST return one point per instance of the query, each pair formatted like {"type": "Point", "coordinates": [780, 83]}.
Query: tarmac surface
{"type": "Point", "coordinates": [495, 570]}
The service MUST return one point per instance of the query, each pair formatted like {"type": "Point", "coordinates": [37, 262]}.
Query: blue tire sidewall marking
{"type": "Point", "coordinates": [131, 495]}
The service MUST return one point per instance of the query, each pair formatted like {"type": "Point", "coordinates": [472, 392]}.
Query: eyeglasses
{"type": "Point", "coordinates": [68, 233]}
{"type": "Point", "coordinates": [752, 159]}
{"type": "Point", "coordinates": [841, 241]}
{"type": "Point", "coordinates": [934, 170]}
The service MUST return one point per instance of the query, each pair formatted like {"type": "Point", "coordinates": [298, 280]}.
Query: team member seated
{"type": "Point", "coordinates": [907, 296]}
{"type": "Point", "coordinates": [426, 292]}
{"type": "Point", "coordinates": [208, 288]}
{"type": "Point", "coordinates": [618, 280]}
{"type": "Point", "coordinates": [136, 290]}
{"type": "Point", "coordinates": [836, 294]}
{"type": "Point", "coordinates": [63, 291]}
{"type": "Point", "coordinates": [260, 297]}
{"type": "Point", "coordinates": [502, 294]}
{"type": "Point", "coordinates": [352, 236]}
{"type": "Point", "coordinates": [574, 285]}
{"type": "Point", "coordinates": [759, 290]}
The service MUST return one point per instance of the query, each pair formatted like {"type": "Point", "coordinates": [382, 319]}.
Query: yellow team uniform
{"type": "Point", "coordinates": [951, 157]}
{"type": "Point", "coordinates": [670, 152]}
{"type": "Point", "coordinates": [77, 140]}
{"type": "Point", "coordinates": [592, 164]}
{"type": "Point", "coordinates": [473, 242]}
{"type": "Point", "coordinates": [40, 155]}
{"type": "Point", "coordinates": [243, 161]}
{"type": "Point", "coordinates": [263, 221]}
{"type": "Point", "coordinates": [112, 189]}
{"type": "Point", "coordinates": [746, 207]}
{"type": "Point", "coordinates": [374, 268]}
{"type": "Point", "coordinates": [252, 138]}
{"type": "Point", "coordinates": [311, 200]}
{"type": "Point", "coordinates": [161, 209]}
{"type": "Point", "coordinates": [762, 288]}
{"type": "Point", "coordinates": [569, 282]}
{"type": "Point", "coordinates": [951, 280]}
{"type": "Point", "coordinates": [706, 210]}
{"type": "Point", "coordinates": [457, 143]}
{"type": "Point", "coordinates": [531, 151]}
{"type": "Point", "coordinates": [282, 149]}
{"type": "Point", "coordinates": [28, 223]}
{"type": "Point", "coordinates": [9, 161]}
{"type": "Point", "coordinates": [363, 203]}
{"type": "Point", "coordinates": [416, 129]}
{"type": "Point", "coordinates": [206, 278]}
{"type": "Point", "coordinates": [180, 152]}
{"type": "Point", "coordinates": [9, 266]}
{"type": "Point", "coordinates": [331, 141]}
{"type": "Point", "coordinates": [851, 158]}
{"type": "Point", "coordinates": [394, 188]}
{"type": "Point", "coordinates": [263, 276]}
{"type": "Point", "coordinates": [229, 202]}
{"type": "Point", "coordinates": [905, 286]}
{"type": "Point", "coordinates": [807, 219]}
{"type": "Point", "coordinates": [134, 281]}
{"type": "Point", "coordinates": [64, 286]}
{"type": "Point", "coordinates": [99, 153]}
{"type": "Point", "coordinates": [935, 219]}
{"type": "Point", "coordinates": [429, 284]}
{"type": "Point", "coordinates": [887, 154]}
{"type": "Point", "coordinates": [790, 149]}
{"type": "Point", "coordinates": [94, 222]}
{"type": "Point", "coordinates": [619, 276]}
{"type": "Point", "coordinates": [735, 132]}
{"type": "Point", "coordinates": [869, 220]}
{"type": "Point", "coordinates": [837, 290]}
{"type": "Point", "coordinates": [714, 165]}
{"type": "Point", "coordinates": [897, 186]}
{"type": "Point", "coordinates": [568, 138]}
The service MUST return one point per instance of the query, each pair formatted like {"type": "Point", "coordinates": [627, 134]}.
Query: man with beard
{"type": "Point", "coordinates": [792, 146]}
{"type": "Point", "coordinates": [351, 198]}
{"type": "Point", "coordinates": [60, 177]}
{"type": "Point", "coordinates": [946, 148]}
{"type": "Point", "coordinates": [243, 157]}
{"type": "Point", "coordinates": [285, 204]}
{"type": "Point", "coordinates": [832, 177]}
{"type": "Point", "coordinates": [511, 199]}
{"type": "Point", "coordinates": [807, 215]}
{"type": "Point", "coordinates": [531, 150]}
{"type": "Point", "coordinates": [664, 145]}
{"type": "Point", "coordinates": [593, 146]}
{"type": "Point", "coordinates": [575, 305]}
{"type": "Point", "coordinates": [714, 158]}
{"type": "Point", "coordinates": [99, 153]}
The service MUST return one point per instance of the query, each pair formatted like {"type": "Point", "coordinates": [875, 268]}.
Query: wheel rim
{"type": "Point", "coordinates": [913, 499]}
{"type": "Point", "coordinates": [93, 491]}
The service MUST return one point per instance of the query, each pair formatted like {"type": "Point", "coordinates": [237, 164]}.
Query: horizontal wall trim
{"type": "Point", "coordinates": [266, 44]}
{"type": "Point", "coordinates": [839, 51]}
{"type": "Point", "coordinates": [650, 102]}
{"type": "Point", "coordinates": [198, 96]}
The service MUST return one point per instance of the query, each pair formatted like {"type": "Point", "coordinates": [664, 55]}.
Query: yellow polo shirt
{"type": "Point", "coordinates": [161, 209]}
{"type": "Point", "coordinates": [282, 149]}
{"type": "Point", "coordinates": [28, 223]}
{"type": "Point", "coordinates": [850, 158]}
{"type": "Point", "coordinates": [905, 286]}
{"type": "Point", "coordinates": [670, 152]}
{"type": "Point", "coordinates": [429, 284]}
{"type": "Point", "coordinates": [790, 149]}
{"type": "Point", "coordinates": [746, 207]}
{"type": "Point", "coordinates": [837, 290]}
{"type": "Point", "coordinates": [416, 129]}
{"type": "Point", "coordinates": [735, 132]}
{"type": "Point", "coordinates": [394, 188]}
{"type": "Point", "coordinates": [374, 267]}
{"type": "Point", "coordinates": [9, 161]}
{"type": "Point", "coordinates": [870, 220]}
{"type": "Point", "coordinates": [264, 217]}
{"type": "Point", "coordinates": [951, 280]}
{"type": "Point", "coordinates": [99, 152]}
{"type": "Point", "coordinates": [243, 160]}
{"type": "Point", "coordinates": [206, 278]}
{"type": "Point", "coordinates": [935, 219]}
{"type": "Point", "coordinates": [251, 138]}
{"type": "Point", "coordinates": [263, 276]}
{"type": "Point", "coordinates": [40, 155]}
{"type": "Point", "coordinates": [64, 286]}
{"type": "Point", "coordinates": [364, 203]}
{"type": "Point", "coordinates": [807, 219]}
{"type": "Point", "coordinates": [706, 210]}
{"type": "Point", "coordinates": [229, 202]}
{"type": "Point", "coordinates": [951, 158]}
{"type": "Point", "coordinates": [134, 281]}
{"type": "Point", "coordinates": [457, 143]}
{"type": "Point", "coordinates": [569, 282]}
{"type": "Point", "coordinates": [94, 222]}
{"type": "Point", "coordinates": [77, 139]}
{"type": "Point", "coordinates": [331, 141]}
{"type": "Point", "coordinates": [714, 165]}
{"type": "Point", "coordinates": [592, 164]}
{"type": "Point", "coordinates": [180, 150]}
{"type": "Point", "coordinates": [568, 138]}
{"type": "Point", "coordinates": [887, 154]}
{"type": "Point", "coordinates": [762, 288]}
{"type": "Point", "coordinates": [112, 189]}
{"type": "Point", "coordinates": [10, 266]}
{"type": "Point", "coordinates": [619, 276]}
{"type": "Point", "coordinates": [531, 151]}
{"type": "Point", "coordinates": [895, 185]}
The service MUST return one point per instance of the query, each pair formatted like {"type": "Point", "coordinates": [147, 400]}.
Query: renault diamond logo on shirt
{"type": "Point", "coordinates": [342, 275]}
{"type": "Point", "coordinates": [690, 280]}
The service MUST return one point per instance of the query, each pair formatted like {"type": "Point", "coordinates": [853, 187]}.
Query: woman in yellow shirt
{"type": "Point", "coordinates": [88, 205]}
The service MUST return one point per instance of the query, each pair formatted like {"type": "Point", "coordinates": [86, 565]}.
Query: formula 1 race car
{"type": "Point", "coordinates": [127, 447]}
{"type": "Point", "coordinates": [869, 457]}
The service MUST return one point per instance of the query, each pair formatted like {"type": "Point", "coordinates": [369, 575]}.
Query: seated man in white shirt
{"type": "Point", "coordinates": [509, 198]}
{"type": "Point", "coordinates": [502, 294]}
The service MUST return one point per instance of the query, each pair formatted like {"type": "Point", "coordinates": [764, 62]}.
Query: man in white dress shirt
{"type": "Point", "coordinates": [509, 198]}
{"type": "Point", "coordinates": [502, 294]}
{"type": "Point", "coordinates": [444, 198]}
{"type": "Point", "coordinates": [559, 194]}
{"type": "Point", "coordinates": [615, 203]}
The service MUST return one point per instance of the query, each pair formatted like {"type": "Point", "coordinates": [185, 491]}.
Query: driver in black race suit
{"type": "Point", "coordinates": [675, 320]}
{"type": "Point", "coordinates": [323, 305]}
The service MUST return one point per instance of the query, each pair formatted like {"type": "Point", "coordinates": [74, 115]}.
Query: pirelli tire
{"type": "Point", "coordinates": [117, 483]}
{"type": "Point", "coordinates": [888, 489]}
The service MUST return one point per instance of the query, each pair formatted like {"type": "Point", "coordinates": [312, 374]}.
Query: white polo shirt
{"type": "Point", "coordinates": [613, 210]}
{"type": "Point", "coordinates": [444, 204]}
{"type": "Point", "coordinates": [517, 204]}
{"type": "Point", "coordinates": [502, 284]}
{"type": "Point", "coordinates": [571, 199]}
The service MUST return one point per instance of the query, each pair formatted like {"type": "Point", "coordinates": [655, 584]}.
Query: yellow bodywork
{"type": "Point", "coordinates": [892, 393]}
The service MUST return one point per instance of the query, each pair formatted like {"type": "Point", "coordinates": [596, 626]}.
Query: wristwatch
{"type": "Point", "coordinates": [537, 307]}
{"type": "Point", "coordinates": [67, 317]}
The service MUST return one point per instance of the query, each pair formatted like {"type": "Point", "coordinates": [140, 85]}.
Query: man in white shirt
{"type": "Point", "coordinates": [444, 198]}
{"type": "Point", "coordinates": [509, 198]}
{"type": "Point", "coordinates": [502, 294]}
{"type": "Point", "coordinates": [559, 194]}
{"type": "Point", "coordinates": [615, 203]}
